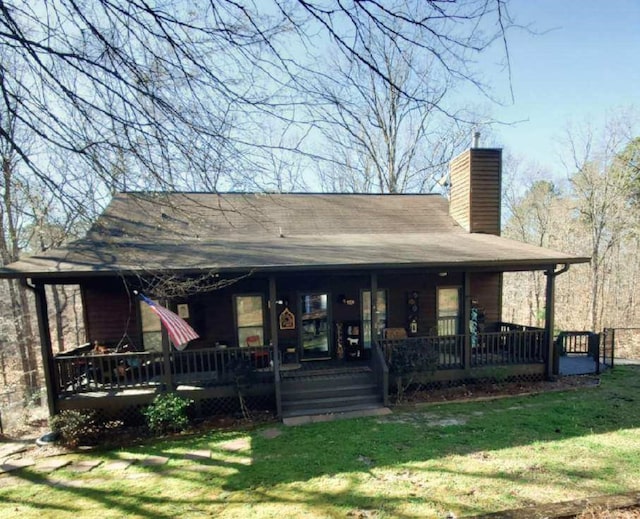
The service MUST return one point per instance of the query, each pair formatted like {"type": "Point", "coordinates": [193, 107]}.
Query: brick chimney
{"type": "Point", "coordinates": [476, 189]}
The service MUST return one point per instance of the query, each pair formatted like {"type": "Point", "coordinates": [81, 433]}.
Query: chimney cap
{"type": "Point", "coordinates": [475, 141]}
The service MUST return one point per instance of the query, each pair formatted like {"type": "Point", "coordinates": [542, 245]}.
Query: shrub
{"type": "Point", "coordinates": [411, 357]}
{"type": "Point", "coordinates": [167, 413]}
{"type": "Point", "coordinates": [77, 427]}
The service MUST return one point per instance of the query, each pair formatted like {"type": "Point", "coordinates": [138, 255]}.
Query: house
{"type": "Point", "coordinates": [300, 300]}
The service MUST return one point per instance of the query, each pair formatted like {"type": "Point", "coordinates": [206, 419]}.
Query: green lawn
{"type": "Point", "coordinates": [468, 458]}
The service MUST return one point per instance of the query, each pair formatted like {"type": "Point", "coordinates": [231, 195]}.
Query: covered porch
{"type": "Point", "coordinates": [113, 379]}
{"type": "Point", "coordinates": [278, 371]}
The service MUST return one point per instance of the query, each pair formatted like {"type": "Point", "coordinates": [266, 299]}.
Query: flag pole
{"type": "Point", "coordinates": [166, 356]}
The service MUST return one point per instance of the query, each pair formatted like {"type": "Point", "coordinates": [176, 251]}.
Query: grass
{"type": "Point", "coordinates": [468, 458]}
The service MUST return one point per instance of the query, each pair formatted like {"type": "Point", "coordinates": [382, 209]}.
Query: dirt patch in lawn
{"type": "Point", "coordinates": [603, 513]}
{"type": "Point", "coordinates": [620, 506]}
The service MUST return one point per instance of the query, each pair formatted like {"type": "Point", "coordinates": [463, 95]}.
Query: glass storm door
{"type": "Point", "coordinates": [314, 329]}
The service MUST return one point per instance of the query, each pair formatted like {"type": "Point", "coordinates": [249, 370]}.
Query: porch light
{"type": "Point", "coordinates": [442, 274]}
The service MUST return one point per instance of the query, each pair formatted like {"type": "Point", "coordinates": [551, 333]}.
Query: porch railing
{"type": "Point", "coordinates": [381, 370]}
{"type": "Point", "coordinates": [513, 327]}
{"type": "Point", "coordinates": [510, 345]}
{"type": "Point", "coordinates": [525, 346]}
{"type": "Point", "coordinates": [447, 350]}
{"type": "Point", "coordinates": [213, 366]}
{"type": "Point", "coordinates": [99, 372]}
{"type": "Point", "coordinates": [204, 367]}
{"type": "Point", "coordinates": [578, 343]}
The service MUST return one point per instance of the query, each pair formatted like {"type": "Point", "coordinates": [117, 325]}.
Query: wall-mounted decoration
{"type": "Point", "coordinates": [352, 342]}
{"type": "Point", "coordinates": [413, 312]}
{"type": "Point", "coordinates": [287, 320]}
{"type": "Point", "coordinates": [183, 310]}
{"type": "Point", "coordinates": [346, 301]}
{"type": "Point", "coordinates": [339, 340]}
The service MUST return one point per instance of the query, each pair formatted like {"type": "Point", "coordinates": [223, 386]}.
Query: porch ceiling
{"type": "Point", "coordinates": [433, 250]}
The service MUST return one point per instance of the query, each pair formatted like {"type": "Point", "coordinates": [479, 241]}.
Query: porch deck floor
{"type": "Point", "coordinates": [325, 367]}
{"type": "Point", "coordinates": [578, 365]}
{"type": "Point", "coordinates": [104, 393]}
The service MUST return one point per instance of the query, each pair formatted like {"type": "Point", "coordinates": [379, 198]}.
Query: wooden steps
{"type": "Point", "coordinates": [332, 391]}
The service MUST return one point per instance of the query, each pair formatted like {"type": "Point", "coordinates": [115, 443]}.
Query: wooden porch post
{"type": "Point", "coordinates": [549, 324]}
{"type": "Point", "coordinates": [273, 324]}
{"type": "Point", "coordinates": [374, 306]}
{"type": "Point", "coordinates": [466, 317]}
{"type": "Point", "coordinates": [46, 349]}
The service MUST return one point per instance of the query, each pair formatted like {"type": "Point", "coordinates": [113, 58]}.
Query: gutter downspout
{"type": "Point", "coordinates": [552, 357]}
{"type": "Point", "coordinates": [46, 348]}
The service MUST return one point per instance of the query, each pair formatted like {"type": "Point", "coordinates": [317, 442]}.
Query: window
{"type": "Point", "coordinates": [381, 310]}
{"type": "Point", "coordinates": [250, 320]}
{"type": "Point", "coordinates": [448, 310]}
{"type": "Point", "coordinates": [151, 328]}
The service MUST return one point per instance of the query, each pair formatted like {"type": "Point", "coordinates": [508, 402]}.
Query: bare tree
{"type": "Point", "coordinates": [596, 216]}
{"type": "Point", "coordinates": [169, 85]}
{"type": "Point", "coordinates": [390, 128]}
{"type": "Point", "coordinates": [629, 159]}
{"type": "Point", "coordinates": [532, 205]}
{"type": "Point", "coordinates": [11, 240]}
{"type": "Point", "coordinates": [602, 188]}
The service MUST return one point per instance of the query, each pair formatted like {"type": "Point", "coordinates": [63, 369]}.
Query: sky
{"type": "Point", "coordinates": [583, 64]}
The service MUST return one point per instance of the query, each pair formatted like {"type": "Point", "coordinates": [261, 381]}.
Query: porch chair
{"type": "Point", "coordinates": [253, 340]}
{"type": "Point", "coordinates": [395, 333]}
{"type": "Point", "coordinates": [259, 358]}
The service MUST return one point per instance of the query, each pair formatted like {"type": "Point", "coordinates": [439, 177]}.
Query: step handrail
{"type": "Point", "coordinates": [276, 379]}
{"type": "Point", "coordinates": [381, 370]}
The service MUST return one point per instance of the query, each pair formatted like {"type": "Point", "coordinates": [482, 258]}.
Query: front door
{"type": "Point", "coordinates": [315, 331]}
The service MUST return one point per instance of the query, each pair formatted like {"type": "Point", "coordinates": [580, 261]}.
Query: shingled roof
{"type": "Point", "coordinates": [190, 232]}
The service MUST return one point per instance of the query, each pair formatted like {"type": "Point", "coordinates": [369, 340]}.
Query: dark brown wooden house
{"type": "Point", "coordinates": [306, 296]}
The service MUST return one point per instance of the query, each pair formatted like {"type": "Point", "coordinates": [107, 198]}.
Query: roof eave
{"type": "Point", "coordinates": [506, 265]}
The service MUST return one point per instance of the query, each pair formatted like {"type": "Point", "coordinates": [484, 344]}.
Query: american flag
{"type": "Point", "coordinates": [180, 333]}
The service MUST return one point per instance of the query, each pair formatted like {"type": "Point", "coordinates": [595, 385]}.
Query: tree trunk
{"type": "Point", "coordinates": [21, 313]}
{"type": "Point", "coordinates": [76, 317]}
{"type": "Point", "coordinates": [595, 293]}
{"type": "Point", "coordinates": [59, 306]}
{"type": "Point", "coordinates": [3, 363]}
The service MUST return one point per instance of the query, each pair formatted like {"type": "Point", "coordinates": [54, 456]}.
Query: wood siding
{"type": "Point", "coordinates": [476, 188]}
{"type": "Point", "coordinates": [486, 290]}
{"type": "Point", "coordinates": [460, 194]}
{"type": "Point", "coordinates": [111, 314]}
{"type": "Point", "coordinates": [486, 187]}
{"type": "Point", "coordinates": [213, 314]}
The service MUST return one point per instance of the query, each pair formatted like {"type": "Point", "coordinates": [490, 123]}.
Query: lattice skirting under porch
{"type": "Point", "coordinates": [489, 376]}
{"type": "Point", "coordinates": [130, 412]}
